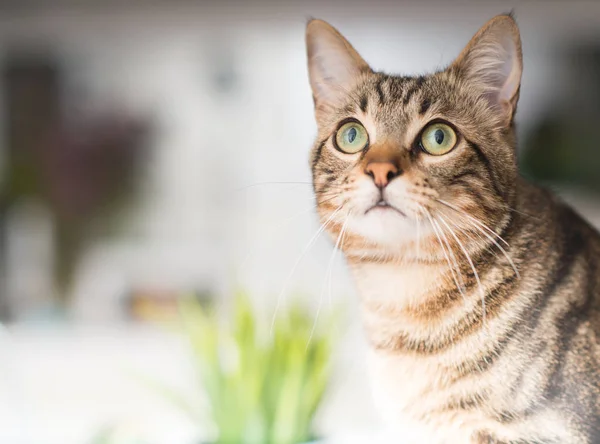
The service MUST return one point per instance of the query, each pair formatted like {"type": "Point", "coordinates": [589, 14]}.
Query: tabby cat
{"type": "Point", "coordinates": [480, 292]}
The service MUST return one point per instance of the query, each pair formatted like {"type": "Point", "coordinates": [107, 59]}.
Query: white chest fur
{"type": "Point", "coordinates": [404, 390]}
{"type": "Point", "coordinates": [405, 387]}
{"type": "Point", "coordinates": [400, 285]}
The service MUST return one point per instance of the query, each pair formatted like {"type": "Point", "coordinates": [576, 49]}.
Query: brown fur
{"type": "Point", "coordinates": [480, 292]}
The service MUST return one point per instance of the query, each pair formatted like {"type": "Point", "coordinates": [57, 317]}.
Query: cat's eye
{"type": "Point", "coordinates": [438, 139]}
{"type": "Point", "coordinates": [351, 138]}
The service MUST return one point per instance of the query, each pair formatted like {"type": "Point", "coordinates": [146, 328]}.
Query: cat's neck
{"type": "Point", "coordinates": [396, 284]}
{"type": "Point", "coordinates": [409, 300]}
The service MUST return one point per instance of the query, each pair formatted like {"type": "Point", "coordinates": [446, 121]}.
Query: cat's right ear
{"type": "Point", "coordinates": [334, 66]}
{"type": "Point", "coordinates": [493, 61]}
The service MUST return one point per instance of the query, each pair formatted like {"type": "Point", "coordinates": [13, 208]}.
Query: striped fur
{"type": "Point", "coordinates": [480, 292]}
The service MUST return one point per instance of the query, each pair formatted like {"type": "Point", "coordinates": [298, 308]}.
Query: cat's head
{"type": "Point", "coordinates": [400, 161]}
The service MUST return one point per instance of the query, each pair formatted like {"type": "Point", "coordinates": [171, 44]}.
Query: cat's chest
{"type": "Point", "coordinates": [398, 284]}
{"type": "Point", "coordinates": [405, 383]}
{"type": "Point", "coordinates": [411, 390]}
{"type": "Point", "coordinates": [411, 396]}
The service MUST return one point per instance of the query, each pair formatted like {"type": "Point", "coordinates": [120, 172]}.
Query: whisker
{"type": "Point", "coordinates": [514, 210]}
{"type": "Point", "coordinates": [452, 257]}
{"type": "Point", "coordinates": [418, 237]}
{"type": "Point", "coordinates": [444, 250]}
{"type": "Point", "coordinates": [285, 222]}
{"type": "Point", "coordinates": [275, 230]}
{"type": "Point", "coordinates": [330, 198]}
{"type": "Point", "coordinates": [259, 184]}
{"type": "Point", "coordinates": [468, 257]}
{"type": "Point", "coordinates": [512, 264]}
{"type": "Point", "coordinates": [328, 274]}
{"type": "Point", "coordinates": [491, 239]}
{"type": "Point", "coordinates": [338, 246]}
{"type": "Point", "coordinates": [450, 250]}
{"type": "Point", "coordinates": [478, 222]}
{"type": "Point", "coordinates": [302, 254]}
{"type": "Point", "coordinates": [473, 232]}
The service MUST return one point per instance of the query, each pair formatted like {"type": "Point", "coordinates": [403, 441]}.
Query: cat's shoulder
{"type": "Point", "coordinates": [546, 206]}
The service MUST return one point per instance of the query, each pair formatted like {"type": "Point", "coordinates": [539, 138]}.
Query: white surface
{"type": "Point", "coordinates": [62, 386]}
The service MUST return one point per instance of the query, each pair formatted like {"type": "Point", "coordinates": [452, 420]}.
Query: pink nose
{"type": "Point", "coordinates": [382, 173]}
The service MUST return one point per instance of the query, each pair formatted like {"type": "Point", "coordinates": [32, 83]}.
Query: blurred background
{"type": "Point", "coordinates": [151, 149]}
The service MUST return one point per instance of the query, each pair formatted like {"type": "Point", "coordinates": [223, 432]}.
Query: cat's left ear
{"type": "Point", "coordinates": [494, 62]}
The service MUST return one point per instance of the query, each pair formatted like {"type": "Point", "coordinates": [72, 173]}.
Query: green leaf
{"type": "Point", "coordinates": [262, 388]}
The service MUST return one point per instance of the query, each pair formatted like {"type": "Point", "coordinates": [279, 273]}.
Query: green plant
{"type": "Point", "coordinates": [264, 384]}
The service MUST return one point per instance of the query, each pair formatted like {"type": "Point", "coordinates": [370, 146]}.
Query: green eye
{"type": "Point", "coordinates": [438, 139]}
{"type": "Point", "coordinates": [352, 137]}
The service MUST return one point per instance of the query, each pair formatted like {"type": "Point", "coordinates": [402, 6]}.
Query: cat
{"type": "Point", "coordinates": [479, 292]}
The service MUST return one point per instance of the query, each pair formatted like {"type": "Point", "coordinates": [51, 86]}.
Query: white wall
{"type": "Point", "coordinates": [196, 228]}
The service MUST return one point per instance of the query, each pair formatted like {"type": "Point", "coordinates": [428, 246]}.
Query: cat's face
{"type": "Point", "coordinates": [399, 161]}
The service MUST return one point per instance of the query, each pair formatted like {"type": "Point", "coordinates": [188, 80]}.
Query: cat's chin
{"type": "Point", "coordinates": [384, 226]}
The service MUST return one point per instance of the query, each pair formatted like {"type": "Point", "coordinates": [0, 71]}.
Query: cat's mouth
{"type": "Point", "coordinates": [383, 205]}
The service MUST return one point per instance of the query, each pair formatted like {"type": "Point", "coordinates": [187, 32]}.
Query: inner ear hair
{"type": "Point", "coordinates": [493, 61]}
